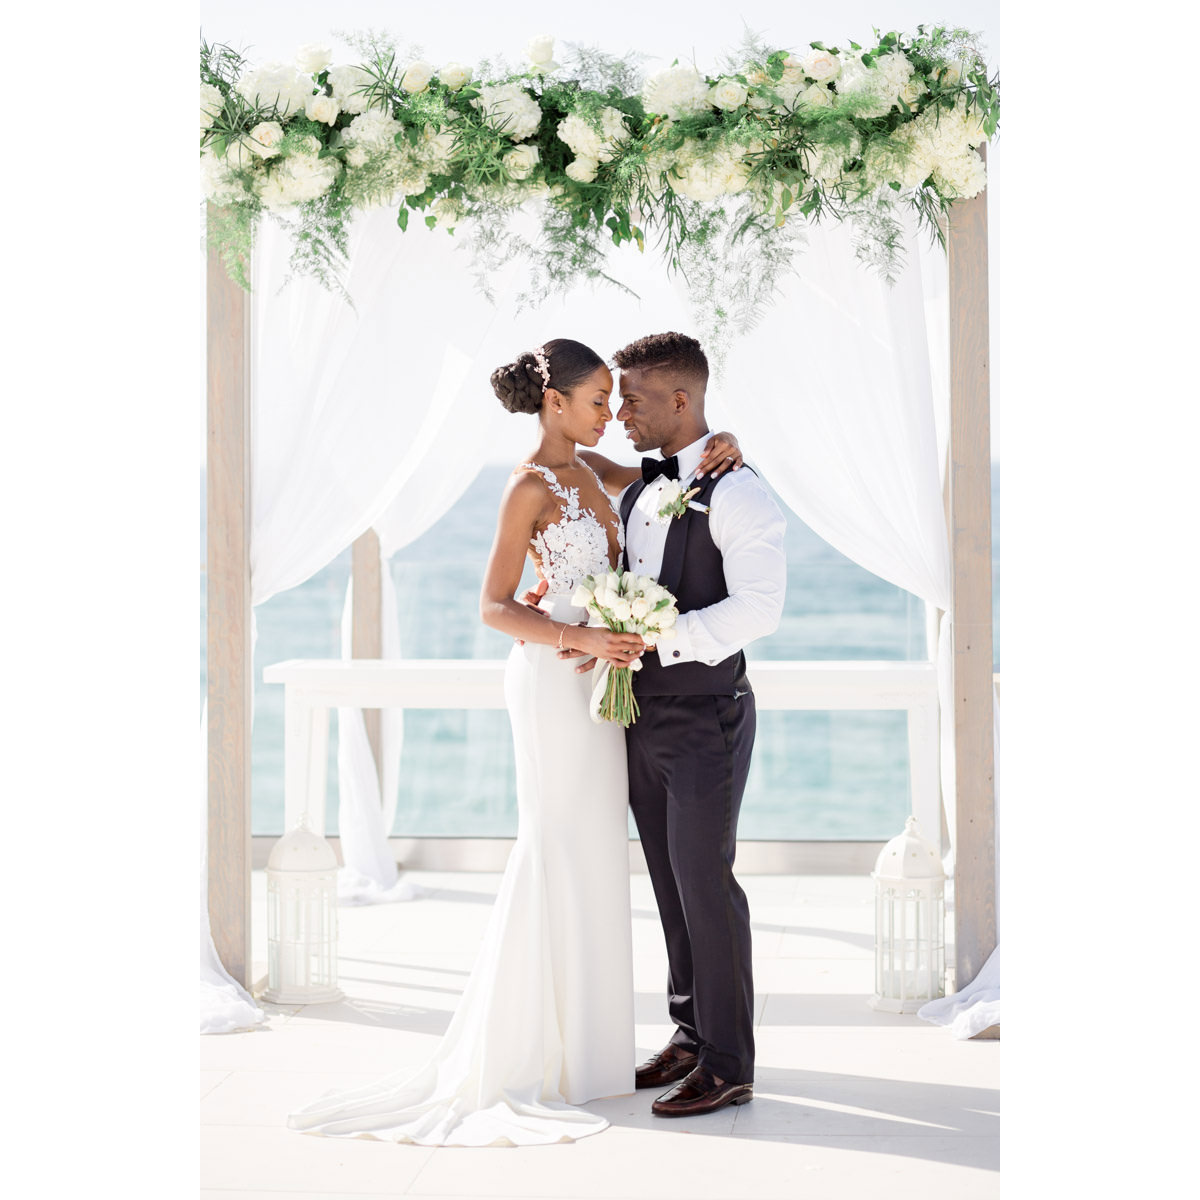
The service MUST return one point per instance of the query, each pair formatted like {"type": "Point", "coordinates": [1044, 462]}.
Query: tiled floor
{"type": "Point", "coordinates": [848, 1102]}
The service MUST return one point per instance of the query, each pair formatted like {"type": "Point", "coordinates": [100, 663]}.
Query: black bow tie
{"type": "Point", "coordinates": [653, 467]}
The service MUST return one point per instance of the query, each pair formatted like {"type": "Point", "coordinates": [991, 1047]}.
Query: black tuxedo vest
{"type": "Point", "coordinates": [693, 572]}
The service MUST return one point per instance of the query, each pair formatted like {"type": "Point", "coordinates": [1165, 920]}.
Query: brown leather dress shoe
{"type": "Point", "coordinates": [672, 1062]}
{"type": "Point", "coordinates": [701, 1092]}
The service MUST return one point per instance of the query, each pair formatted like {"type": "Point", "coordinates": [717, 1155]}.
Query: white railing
{"type": "Point", "coordinates": [313, 686]}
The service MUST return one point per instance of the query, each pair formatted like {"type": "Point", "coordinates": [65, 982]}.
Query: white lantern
{"type": "Point", "coordinates": [910, 923]}
{"type": "Point", "coordinates": [302, 920]}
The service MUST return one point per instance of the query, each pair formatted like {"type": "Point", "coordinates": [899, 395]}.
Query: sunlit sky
{"type": "Point", "coordinates": [703, 33]}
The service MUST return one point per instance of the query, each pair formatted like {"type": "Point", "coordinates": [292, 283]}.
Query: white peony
{"type": "Point", "coordinates": [265, 138]}
{"type": "Point", "coordinates": [322, 108]}
{"type": "Point", "coordinates": [278, 84]}
{"type": "Point", "coordinates": [416, 76]}
{"type": "Point", "coordinates": [675, 93]}
{"type": "Point", "coordinates": [961, 177]}
{"type": "Point", "coordinates": [454, 75]}
{"type": "Point", "coordinates": [436, 148]}
{"type": "Point", "coordinates": [821, 65]}
{"type": "Point", "coordinates": [520, 161]}
{"type": "Point", "coordinates": [297, 178]}
{"type": "Point", "coordinates": [895, 68]}
{"type": "Point", "coordinates": [582, 169]}
{"type": "Point", "coordinates": [728, 94]}
{"type": "Point", "coordinates": [899, 158]}
{"type": "Point", "coordinates": [218, 181]}
{"type": "Point", "coordinates": [211, 103]}
{"type": "Point", "coordinates": [313, 59]}
{"type": "Point", "coordinates": [866, 91]}
{"type": "Point", "coordinates": [348, 84]}
{"type": "Point", "coordinates": [375, 129]}
{"type": "Point", "coordinates": [510, 108]}
{"type": "Point", "coordinates": [708, 175]}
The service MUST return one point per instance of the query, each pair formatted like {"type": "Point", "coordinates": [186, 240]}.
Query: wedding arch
{"type": "Point", "coordinates": [544, 167]}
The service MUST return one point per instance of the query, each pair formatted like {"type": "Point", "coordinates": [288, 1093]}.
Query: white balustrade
{"type": "Point", "coordinates": [313, 686]}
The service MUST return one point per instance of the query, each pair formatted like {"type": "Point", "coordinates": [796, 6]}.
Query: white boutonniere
{"type": "Point", "coordinates": [673, 500]}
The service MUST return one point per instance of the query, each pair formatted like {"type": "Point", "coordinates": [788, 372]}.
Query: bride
{"type": "Point", "coordinates": [546, 1019]}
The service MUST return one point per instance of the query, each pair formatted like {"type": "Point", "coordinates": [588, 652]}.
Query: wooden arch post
{"type": "Point", "coordinates": [229, 671]}
{"type": "Point", "coordinates": [970, 495]}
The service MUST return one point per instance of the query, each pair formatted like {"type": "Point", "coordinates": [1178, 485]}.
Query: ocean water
{"type": "Point", "coordinates": [816, 775]}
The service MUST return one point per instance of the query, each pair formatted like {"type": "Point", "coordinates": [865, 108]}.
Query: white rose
{"type": "Point", "coordinates": [728, 94]}
{"type": "Point", "coordinates": [821, 65]}
{"type": "Point", "coordinates": [520, 161]}
{"type": "Point", "coordinates": [348, 84]}
{"type": "Point", "coordinates": [322, 108]}
{"type": "Point", "coordinates": [582, 169]}
{"type": "Point", "coordinates": [951, 74]}
{"type": "Point", "coordinates": [541, 50]}
{"type": "Point", "coordinates": [816, 95]}
{"type": "Point", "coordinates": [454, 75]}
{"type": "Point", "coordinates": [912, 91]}
{"type": "Point", "coordinates": [265, 138]}
{"type": "Point", "coordinates": [416, 77]}
{"type": "Point", "coordinates": [622, 609]}
{"type": "Point", "coordinates": [671, 491]}
{"type": "Point", "coordinates": [211, 103]}
{"type": "Point", "coordinates": [793, 70]}
{"type": "Point", "coordinates": [313, 59]}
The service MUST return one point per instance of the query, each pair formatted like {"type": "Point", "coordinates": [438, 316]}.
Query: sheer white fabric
{"type": "Point", "coordinates": [974, 1008]}
{"type": "Point", "coordinates": [831, 395]}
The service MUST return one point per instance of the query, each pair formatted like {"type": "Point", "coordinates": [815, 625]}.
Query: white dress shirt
{"type": "Point", "coordinates": [747, 528]}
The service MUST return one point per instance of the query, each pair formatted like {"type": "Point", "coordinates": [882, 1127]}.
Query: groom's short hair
{"type": "Point", "coordinates": [674, 352]}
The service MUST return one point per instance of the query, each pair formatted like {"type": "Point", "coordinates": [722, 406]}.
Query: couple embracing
{"type": "Point", "coordinates": [546, 1020]}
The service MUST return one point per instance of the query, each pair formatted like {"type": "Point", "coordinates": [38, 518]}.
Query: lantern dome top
{"type": "Point", "coordinates": [909, 856]}
{"type": "Point", "coordinates": [302, 850]}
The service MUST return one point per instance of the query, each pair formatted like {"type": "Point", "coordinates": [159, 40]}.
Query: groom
{"type": "Point", "coordinates": [689, 750]}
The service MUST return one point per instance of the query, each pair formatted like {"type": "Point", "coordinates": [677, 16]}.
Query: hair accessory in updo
{"type": "Point", "coordinates": [543, 365]}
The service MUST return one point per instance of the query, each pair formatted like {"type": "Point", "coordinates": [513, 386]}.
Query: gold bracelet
{"type": "Point", "coordinates": [561, 634]}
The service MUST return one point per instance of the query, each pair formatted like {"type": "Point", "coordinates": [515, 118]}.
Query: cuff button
{"type": "Point", "coordinates": [674, 653]}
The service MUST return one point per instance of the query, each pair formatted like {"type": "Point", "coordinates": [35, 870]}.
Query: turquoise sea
{"type": "Point", "coordinates": [816, 775]}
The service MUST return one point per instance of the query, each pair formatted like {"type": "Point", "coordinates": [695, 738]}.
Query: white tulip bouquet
{"type": "Point", "coordinates": [625, 603]}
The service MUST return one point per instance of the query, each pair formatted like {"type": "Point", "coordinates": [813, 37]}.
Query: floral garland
{"type": "Point", "coordinates": [720, 172]}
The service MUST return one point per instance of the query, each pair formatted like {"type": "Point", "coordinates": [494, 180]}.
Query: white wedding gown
{"type": "Point", "coordinates": [546, 1019]}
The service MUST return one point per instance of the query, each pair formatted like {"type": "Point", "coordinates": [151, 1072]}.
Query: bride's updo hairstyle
{"type": "Point", "coordinates": [520, 384]}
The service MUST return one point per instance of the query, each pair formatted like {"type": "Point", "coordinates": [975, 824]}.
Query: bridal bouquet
{"type": "Point", "coordinates": [626, 603]}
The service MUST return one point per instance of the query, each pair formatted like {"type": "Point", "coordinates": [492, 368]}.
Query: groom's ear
{"type": "Point", "coordinates": [682, 400]}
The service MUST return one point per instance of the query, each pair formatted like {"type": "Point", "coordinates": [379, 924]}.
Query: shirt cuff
{"type": "Point", "coordinates": [678, 649]}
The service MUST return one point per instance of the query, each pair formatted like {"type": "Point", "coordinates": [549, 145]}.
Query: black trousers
{"type": "Point", "coordinates": [688, 761]}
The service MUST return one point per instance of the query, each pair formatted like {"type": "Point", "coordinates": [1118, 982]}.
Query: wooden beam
{"type": "Point", "coordinates": [366, 640]}
{"type": "Point", "coordinates": [230, 679]}
{"type": "Point", "coordinates": [971, 551]}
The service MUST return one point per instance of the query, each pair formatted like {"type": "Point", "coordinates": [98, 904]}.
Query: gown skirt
{"type": "Point", "coordinates": [546, 1018]}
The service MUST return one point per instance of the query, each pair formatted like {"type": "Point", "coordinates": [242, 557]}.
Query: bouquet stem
{"type": "Point", "coordinates": [618, 703]}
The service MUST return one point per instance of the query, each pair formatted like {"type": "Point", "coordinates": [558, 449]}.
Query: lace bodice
{"type": "Point", "coordinates": [575, 545]}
